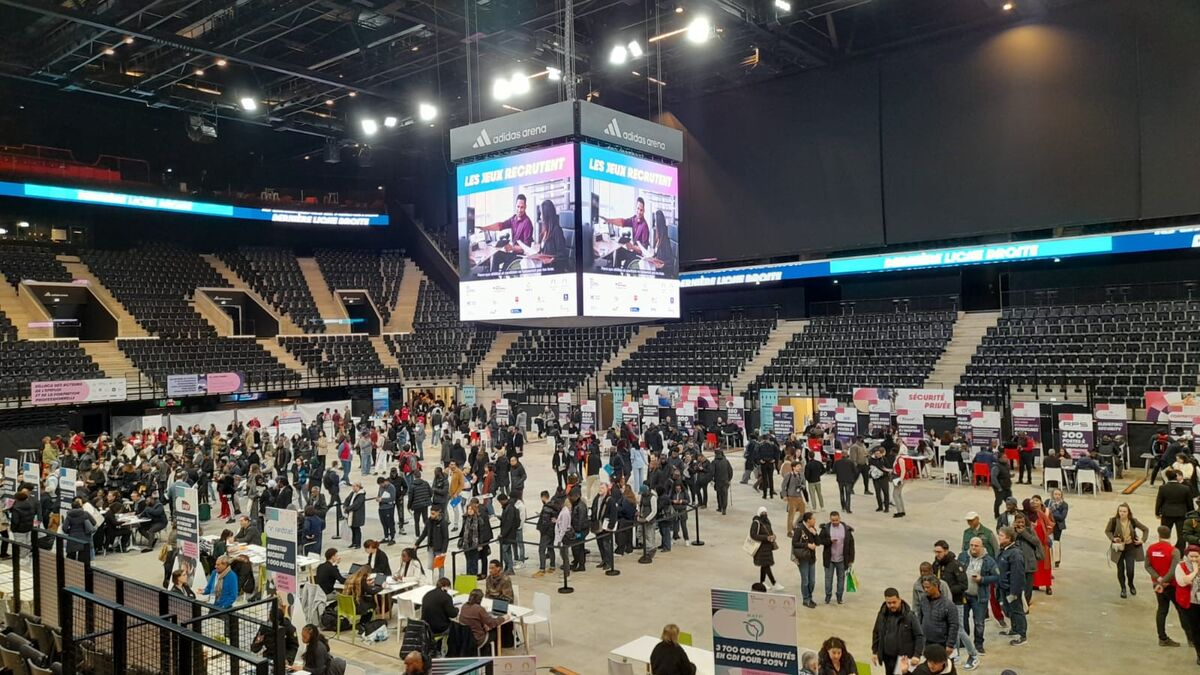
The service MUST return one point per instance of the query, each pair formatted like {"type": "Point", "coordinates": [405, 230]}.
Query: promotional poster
{"type": "Point", "coordinates": [931, 402]}
{"type": "Point", "coordinates": [767, 400]}
{"type": "Point", "coordinates": [564, 408]}
{"type": "Point", "coordinates": [826, 408]}
{"type": "Point", "coordinates": [66, 489]}
{"type": "Point", "coordinates": [12, 475]}
{"type": "Point", "coordinates": [963, 410]}
{"type": "Point", "coordinates": [685, 416]}
{"type": "Point", "coordinates": [985, 428]}
{"type": "Point", "coordinates": [1075, 433]}
{"type": "Point", "coordinates": [754, 633]}
{"type": "Point", "coordinates": [846, 419]}
{"type": "Point", "coordinates": [469, 394]}
{"type": "Point", "coordinates": [587, 417]}
{"type": "Point", "coordinates": [1112, 419]}
{"type": "Point", "coordinates": [618, 401]}
{"type": "Point", "coordinates": [1027, 417]}
{"type": "Point", "coordinates": [783, 421]}
{"type": "Point", "coordinates": [910, 424]}
{"type": "Point", "coordinates": [502, 416]}
{"type": "Point", "coordinates": [735, 411]}
{"type": "Point", "coordinates": [187, 534]}
{"type": "Point", "coordinates": [879, 415]}
{"type": "Point", "coordinates": [282, 527]}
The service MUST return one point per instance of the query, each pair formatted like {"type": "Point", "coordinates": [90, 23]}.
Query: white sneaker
{"type": "Point", "coordinates": [777, 587]}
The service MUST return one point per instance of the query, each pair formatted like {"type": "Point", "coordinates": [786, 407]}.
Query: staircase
{"type": "Point", "coordinates": [282, 355]}
{"type": "Point", "coordinates": [127, 326]}
{"type": "Point", "coordinates": [783, 333]}
{"type": "Point", "coordinates": [327, 305]}
{"type": "Point", "coordinates": [644, 334]}
{"type": "Point", "coordinates": [968, 333]}
{"type": "Point", "coordinates": [212, 313]}
{"type": "Point", "coordinates": [385, 355]}
{"type": "Point", "coordinates": [286, 325]}
{"type": "Point", "coordinates": [112, 360]}
{"type": "Point", "coordinates": [483, 371]}
{"type": "Point", "coordinates": [13, 306]}
{"type": "Point", "coordinates": [405, 310]}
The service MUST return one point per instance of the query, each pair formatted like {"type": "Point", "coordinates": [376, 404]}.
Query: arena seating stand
{"type": "Point", "coordinates": [35, 263]}
{"type": "Point", "coordinates": [1117, 349]}
{"type": "Point", "coordinates": [836, 354]}
{"type": "Point", "coordinates": [22, 362]}
{"type": "Point", "coordinates": [154, 283]}
{"type": "Point", "coordinates": [338, 356]}
{"type": "Point", "coordinates": [275, 275]}
{"type": "Point", "coordinates": [440, 347]}
{"type": "Point", "coordinates": [8, 332]}
{"type": "Point", "coordinates": [694, 352]}
{"type": "Point", "coordinates": [559, 359]}
{"type": "Point", "coordinates": [378, 274]}
{"type": "Point", "coordinates": [212, 354]}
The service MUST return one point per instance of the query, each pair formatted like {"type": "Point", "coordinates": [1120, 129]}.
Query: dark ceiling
{"type": "Point", "coordinates": [317, 66]}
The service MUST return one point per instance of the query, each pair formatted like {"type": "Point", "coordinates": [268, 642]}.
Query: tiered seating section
{"type": "Point", "coordinates": [559, 359]}
{"type": "Point", "coordinates": [23, 362]}
{"type": "Point", "coordinates": [378, 274]}
{"type": "Point", "coordinates": [275, 275]}
{"type": "Point", "coordinates": [440, 346]}
{"type": "Point", "coordinates": [1119, 350]}
{"type": "Point", "coordinates": [154, 283]}
{"type": "Point", "coordinates": [836, 354]}
{"type": "Point", "coordinates": [178, 355]}
{"type": "Point", "coordinates": [708, 352]}
{"type": "Point", "coordinates": [338, 356]}
{"type": "Point", "coordinates": [8, 332]}
{"type": "Point", "coordinates": [35, 263]}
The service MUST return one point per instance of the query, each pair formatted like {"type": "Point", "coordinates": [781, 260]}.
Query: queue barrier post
{"type": "Point", "coordinates": [698, 541]}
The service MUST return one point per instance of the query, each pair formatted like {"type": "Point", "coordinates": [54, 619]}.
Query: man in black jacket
{"type": "Point", "coordinates": [437, 607]}
{"type": "Point", "coordinates": [722, 473]}
{"type": "Point", "coordinates": [356, 514]}
{"type": "Point", "coordinates": [1001, 483]}
{"type": "Point", "coordinates": [579, 528]}
{"type": "Point", "coordinates": [1172, 504]}
{"type": "Point", "coordinates": [510, 531]}
{"type": "Point", "coordinates": [328, 573]}
{"type": "Point", "coordinates": [420, 497]}
{"type": "Point", "coordinates": [158, 521]}
{"type": "Point", "coordinates": [846, 472]}
{"type": "Point", "coordinates": [768, 460]}
{"type": "Point", "coordinates": [897, 636]}
{"type": "Point", "coordinates": [249, 533]}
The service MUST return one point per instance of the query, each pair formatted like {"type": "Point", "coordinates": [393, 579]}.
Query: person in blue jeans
{"type": "Point", "coordinates": [837, 538]}
{"type": "Point", "coordinates": [805, 540]}
{"type": "Point", "coordinates": [666, 521]}
{"type": "Point", "coordinates": [1010, 586]}
{"type": "Point", "coordinates": [981, 574]}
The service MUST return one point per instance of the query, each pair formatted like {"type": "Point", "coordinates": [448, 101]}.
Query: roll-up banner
{"type": "Point", "coordinates": [587, 417]}
{"type": "Point", "coordinates": [735, 411]}
{"type": "Point", "coordinates": [618, 406]}
{"type": "Point", "coordinates": [754, 633]}
{"type": "Point", "coordinates": [1027, 417]}
{"type": "Point", "coordinates": [911, 426]}
{"type": "Point", "coordinates": [846, 418]}
{"type": "Point", "coordinates": [826, 409]}
{"type": "Point", "coordinates": [962, 415]}
{"type": "Point", "coordinates": [66, 489]}
{"type": "Point", "coordinates": [985, 427]}
{"type": "Point", "coordinates": [685, 416]}
{"type": "Point", "coordinates": [879, 415]}
{"type": "Point", "coordinates": [469, 394]}
{"type": "Point", "coordinates": [502, 412]}
{"type": "Point", "coordinates": [564, 408]}
{"type": "Point", "coordinates": [1075, 433]}
{"type": "Point", "coordinates": [1112, 419]}
{"type": "Point", "coordinates": [12, 475]}
{"type": "Point", "coordinates": [281, 531]}
{"type": "Point", "coordinates": [931, 402]}
{"type": "Point", "coordinates": [767, 400]}
{"type": "Point", "coordinates": [187, 532]}
{"type": "Point", "coordinates": [783, 421]}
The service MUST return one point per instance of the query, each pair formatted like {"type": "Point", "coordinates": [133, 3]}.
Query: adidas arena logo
{"type": "Point", "coordinates": [614, 129]}
{"type": "Point", "coordinates": [484, 139]}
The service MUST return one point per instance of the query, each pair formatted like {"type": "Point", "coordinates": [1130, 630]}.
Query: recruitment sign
{"type": "Point", "coordinates": [66, 489]}
{"type": "Point", "coordinates": [187, 530]}
{"type": "Point", "coordinates": [910, 424]}
{"type": "Point", "coordinates": [767, 400]}
{"type": "Point", "coordinates": [962, 415]}
{"type": "Point", "coordinates": [1027, 417]}
{"type": "Point", "coordinates": [618, 409]}
{"type": "Point", "coordinates": [1075, 433]}
{"type": "Point", "coordinates": [826, 407]}
{"type": "Point", "coordinates": [281, 531]}
{"type": "Point", "coordinates": [754, 633]}
{"type": "Point", "coordinates": [846, 418]}
{"type": "Point", "coordinates": [985, 428]}
{"type": "Point", "coordinates": [735, 411]}
{"type": "Point", "coordinates": [587, 417]}
{"type": "Point", "coordinates": [12, 474]}
{"type": "Point", "coordinates": [1112, 419]}
{"type": "Point", "coordinates": [783, 421]}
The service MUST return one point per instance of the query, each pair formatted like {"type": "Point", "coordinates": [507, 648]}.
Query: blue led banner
{"type": "Point", "coordinates": [173, 205]}
{"type": "Point", "coordinates": [1140, 241]}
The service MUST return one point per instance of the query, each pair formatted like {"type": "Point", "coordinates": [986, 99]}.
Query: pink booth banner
{"type": "Point", "coordinates": [57, 392]}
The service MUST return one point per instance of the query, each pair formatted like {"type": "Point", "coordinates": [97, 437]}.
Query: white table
{"type": "Point", "coordinates": [639, 650]}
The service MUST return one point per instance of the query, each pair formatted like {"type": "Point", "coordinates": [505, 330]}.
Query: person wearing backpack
{"type": "Point", "coordinates": [545, 528]}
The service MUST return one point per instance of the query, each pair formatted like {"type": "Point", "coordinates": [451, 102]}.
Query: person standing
{"type": "Point", "coordinates": [356, 514]}
{"type": "Point", "coordinates": [1161, 559]}
{"type": "Point", "coordinates": [1001, 483]}
{"type": "Point", "coordinates": [750, 455]}
{"type": "Point", "coordinates": [545, 527]}
{"type": "Point", "coordinates": [510, 531]}
{"type": "Point", "coordinates": [1010, 586]}
{"type": "Point", "coordinates": [764, 555]}
{"type": "Point", "coordinates": [1026, 452]}
{"type": "Point", "coordinates": [603, 522]}
{"type": "Point", "coordinates": [837, 538]}
{"type": "Point", "coordinates": [939, 617]}
{"type": "Point", "coordinates": [975, 528]}
{"type": "Point", "coordinates": [846, 473]}
{"type": "Point", "coordinates": [1172, 504]}
{"type": "Point", "coordinates": [722, 477]}
{"type": "Point", "coordinates": [947, 568]}
{"type": "Point", "coordinates": [792, 491]}
{"type": "Point", "coordinates": [982, 574]}
{"type": "Point", "coordinates": [1058, 509]}
{"type": "Point", "coordinates": [859, 455]}
{"type": "Point", "coordinates": [901, 469]}
{"type": "Point", "coordinates": [814, 469]}
{"type": "Point", "coordinates": [880, 471]}
{"type": "Point", "coordinates": [420, 498]}
{"type": "Point", "coordinates": [897, 637]}
{"type": "Point", "coordinates": [805, 540]}
{"type": "Point", "coordinates": [1187, 593]}
{"type": "Point", "coordinates": [768, 460]}
{"type": "Point", "coordinates": [638, 463]}
{"type": "Point", "coordinates": [386, 500]}
{"type": "Point", "coordinates": [1126, 548]}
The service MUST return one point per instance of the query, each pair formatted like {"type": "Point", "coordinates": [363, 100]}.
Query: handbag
{"type": "Point", "coordinates": [750, 546]}
{"type": "Point", "coordinates": [851, 581]}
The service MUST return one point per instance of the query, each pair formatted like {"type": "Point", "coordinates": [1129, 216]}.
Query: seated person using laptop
{"type": "Point", "coordinates": [328, 574]}
{"type": "Point", "coordinates": [479, 620]}
{"type": "Point", "coordinates": [498, 586]}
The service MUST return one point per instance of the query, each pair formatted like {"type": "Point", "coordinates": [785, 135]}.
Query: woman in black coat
{"type": "Point", "coordinates": [764, 556]}
{"type": "Point", "coordinates": [668, 657]}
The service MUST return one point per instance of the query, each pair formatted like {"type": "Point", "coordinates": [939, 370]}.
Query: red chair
{"type": "Point", "coordinates": [981, 471]}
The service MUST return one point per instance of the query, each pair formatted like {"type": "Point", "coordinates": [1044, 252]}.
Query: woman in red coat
{"type": "Point", "coordinates": [1043, 526]}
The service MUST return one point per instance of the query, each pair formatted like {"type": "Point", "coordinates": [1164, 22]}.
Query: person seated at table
{"type": "Point", "coordinates": [1088, 463]}
{"type": "Point", "coordinates": [377, 560]}
{"type": "Point", "coordinates": [498, 586]}
{"type": "Point", "coordinates": [249, 533]}
{"type": "Point", "coordinates": [116, 533]}
{"type": "Point", "coordinates": [479, 620]}
{"type": "Point", "coordinates": [410, 566]}
{"type": "Point", "coordinates": [437, 607]}
{"type": "Point", "coordinates": [317, 657]}
{"type": "Point", "coordinates": [265, 641]}
{"type": "Point", "coordinates": [954, 453]}
{"type": "Point", "coordinates": [180, 583]}
{"type": "Point", "coordinates": [222, 584]}
{"type": "Point", "coordinates": [1052, 460]}
{"type": "Point", "coordinates": [245, 571]}
{"type": "Point", "coordinates": [362, 588]}
{"type": "Point", "coordinates": [668, 657]}
{"type": "Point", "coordinates": [156, 521]}
{"type": "Point", "coordinates": [328, 574]}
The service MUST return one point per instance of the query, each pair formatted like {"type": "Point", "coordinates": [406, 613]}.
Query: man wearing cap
{"type": "Point", "coordinates": [975, 528]}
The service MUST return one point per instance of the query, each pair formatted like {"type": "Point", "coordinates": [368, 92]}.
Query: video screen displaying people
{"type": "Point", "coordinates": [631, 267]}
{"type": "Point", "coordinates": [516, 236]}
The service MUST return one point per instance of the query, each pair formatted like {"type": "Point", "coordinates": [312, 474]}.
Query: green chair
{"type": "Point", "coordinates": [863, 668]}
{"type": "Point", "coordinates": [264, 539]}
{"type": "Point", "coordinates": [685, 638]}
{"type": "Point", "coordinates": [346, 608]}
{"type": "Point", "coordinates": [465, 583]}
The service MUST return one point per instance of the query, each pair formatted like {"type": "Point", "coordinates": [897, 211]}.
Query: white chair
{"type": "Point", "coordinates": [617, 666]}
{"type": "Point", "coordinates": [541, 614]}
{"type": "Point", "coordinates": [952, 472]}
{"type": "Point", "coordinates": [516, 595]}
{"type": "Point", "coordinates": [404, 610]}
{"type": "Point", "coordinates": [1053, 475]}
{"type": "Point", "coordinates": [1087, 476]}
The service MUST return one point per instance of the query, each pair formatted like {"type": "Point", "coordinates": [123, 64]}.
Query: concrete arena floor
{"type": "Point", "coordinates": [1084, 627]}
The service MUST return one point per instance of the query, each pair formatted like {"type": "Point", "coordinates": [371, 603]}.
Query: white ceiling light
{"type": "Point", "coordinates": [635, 50]}
{"type": "Point", "coordinates": [519, 83]}
{"type": "Point", "coordinates": [618, 55]}
{"type": "Point", "coordinates": [501, 89]}
{"type": "Point", "coordinates": [783, 5]}
{"type": "Point", "coordinates": [553, 74]}
{"type": "Point", "coordinates": [427, 112]}
{"type": "Point", "coordinates": [23, 223]}
{"type": "Point", "coordinates": [699, 30]}
{"type": "Point", "coordinates": [390, 121]}
{"type": "Point", "coordinates": [248, 103]}
{"type": "Point", "coordinates": [370, 126]}
{"type": "Point", "coordinates": [3, 231]}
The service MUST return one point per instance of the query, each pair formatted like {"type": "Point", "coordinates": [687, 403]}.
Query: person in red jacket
{"type": "Point", "coordinates": [1161, 559]}
{"type": "Point", "coordinates": [1187, 594]}
{"type": "Point", "coordinates": [1025, 454]}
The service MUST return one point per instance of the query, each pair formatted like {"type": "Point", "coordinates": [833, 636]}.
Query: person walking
{"type": "Point", "coordinates": [947, 568]}
{"type": "Point", "coordinates": [386, 501]}
{"type": "Point", "coordinates": [835, 659]}
{"type": "Point", "coordinates": [1172, 503]}
{"type": "Point", "coordinates": [837, 538]}
{"type": "Point", "coordinates": [1126, 548]}
{"type": "Point", "coordinates": [861, 458]}
{"type": "Point", "coordinates": [792, 492]}
{"type": "Point", "coordinates": [764, 554]}
{"type": "Point", "coordinates": [805, 540]}
{"type": "Point", "coordinates": [846, 473]}
{"type": "Point", "coordinates": [1001, 483]}
{"type": "Point", "coordinates": [420, 498]}
{"type": "Point", "coordinates": [1161, 559]}
{"type": "Point", "coordinates": [722, 471]}
{"type": "Point", "coordinates": [939, 616]}
{"type": "Point", "coordinates": [982, 574]}
{"type": "Point", "coordinates": [897, 638]}
{"type": "Point", "coordinates": [1010, 587]}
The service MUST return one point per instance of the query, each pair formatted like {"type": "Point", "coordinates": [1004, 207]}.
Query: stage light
{"type": "Point", "coordinates": [699, 30]}
{"type": "Point", "coordinates": [635, 50]}
{"type": "Point", "coordinates": [353, 94]}
{"type": "Point", "coordinates": [427, 112]}
{"type": "Point", "coordinates": [1008, 7]}
{"type": "Point", "coordinates": [390, 121]}
{"type": "Point", "coordinates": [3, 231]}
{"type": "Point", "coordinates": [783, 5]}
{"type": "Point", "coordinates": [618, 55]}
{"type": "Point", "coordinates": [501, 89]}
{"type": "Point", "coordinates": [679, 10]}
{"type": "Point", "coordinates": [222, 63]}
{"type": "Point", "coordinates": [199, 72]}
{"type": "Point", "coordinates": [248, 103]}
{"type": "Point", "coordinates": [328, 101]}
{"type": "Point", "coordinates": [23, 223]}
{"type": "Point", "coordinates": [369, 126]}
{"type": "Point", "coordinates": [519, 83]}
{"type": "Point", "coordinates": [109, 51]}
{"type": "Point", "coordinates": [553, 74]}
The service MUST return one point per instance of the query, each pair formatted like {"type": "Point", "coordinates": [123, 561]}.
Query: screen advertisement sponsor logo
{"type": "Point", "coordinates": [754, 633]}
{"type": "Point", "coordinates": [632, 132]}
{"type": "Point", "coordinates": [513, 131]}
